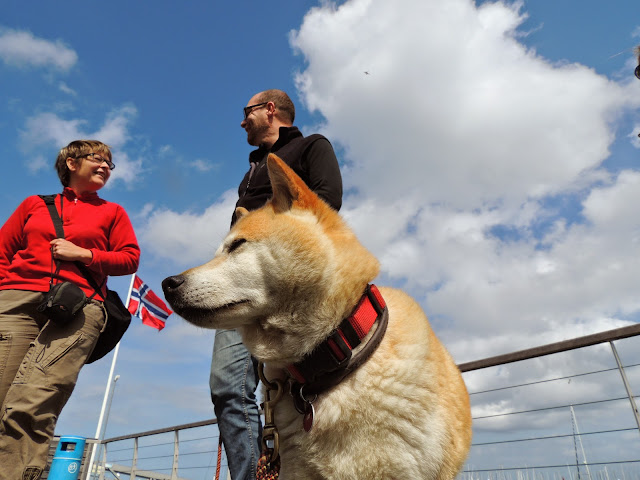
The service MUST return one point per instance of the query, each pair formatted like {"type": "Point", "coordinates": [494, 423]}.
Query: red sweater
{"type": "Point", "coordinates": [89, 222]}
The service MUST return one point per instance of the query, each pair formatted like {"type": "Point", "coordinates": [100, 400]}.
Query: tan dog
{"type": "Point", "coordinates": [286, 276]}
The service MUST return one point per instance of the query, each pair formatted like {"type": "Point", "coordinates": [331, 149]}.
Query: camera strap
{"type": "Point", "coordinates": [50, 201]}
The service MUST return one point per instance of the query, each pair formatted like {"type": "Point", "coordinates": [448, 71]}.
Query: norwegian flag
{"type": "Point", "coordinates": [147, 306]}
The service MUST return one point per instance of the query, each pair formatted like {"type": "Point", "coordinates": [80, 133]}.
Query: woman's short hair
{"type": "Point", "coordinates": [282, 102]}
{"type": "Point", "coordinates": [75, 150]}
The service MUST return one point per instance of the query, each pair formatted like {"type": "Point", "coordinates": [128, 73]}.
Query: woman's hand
{"type": "Point", "coordinates": [65, 250]}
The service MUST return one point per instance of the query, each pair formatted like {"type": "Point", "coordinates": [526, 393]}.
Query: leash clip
{"type": "Point", "coordinates": [270, 436]}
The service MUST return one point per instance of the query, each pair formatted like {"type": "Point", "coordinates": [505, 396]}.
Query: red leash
{"type": "Point", "coordinates": [219, 456]}
{"type": "Point", "coordinates": [265, 470]}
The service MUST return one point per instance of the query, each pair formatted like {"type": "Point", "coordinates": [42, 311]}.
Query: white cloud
{"type": "Point", "coordinates": [66, 89]}
{"type": "Point", "coordinates": [22, 49]}
{"type": "Point", "coordinates": [127, 170]}
{"type": "Point", "coordinates": [51, 130]}
{"type": "Point", "coordinates": [478, 115]}
{"type": "Point", "coordinates": [186, 238]}
{"type": "Point", "coordinates": [48, 128]}
{"type": "Point", "coordinates": [115, 131]}
{"type": "Point", "coordinates": [165, 150]}
{"type": "Point", "coordinates": [453, 136]}
{"type": "Point", "coordinates": [37, 163]}
{"type": "Point", "coordinates": [635, 135]}
{"type": "Point", "coordinates": [203, 165]}
{"type": "Point", "coordinates": [611, 207]}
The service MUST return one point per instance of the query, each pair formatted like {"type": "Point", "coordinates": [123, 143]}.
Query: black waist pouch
{"type": "Point", "coordinates": [62, 302]}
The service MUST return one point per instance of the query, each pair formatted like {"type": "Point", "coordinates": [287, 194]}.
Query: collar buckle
{"type": "Point", "coordinates": [338, 349]}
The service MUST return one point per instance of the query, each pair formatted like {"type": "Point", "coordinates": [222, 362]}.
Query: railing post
{"type": "Point", "coordinates": [104, 461]}
{"type": "Point", "coordinates": [174, 469]}
{"type": "Point", "coordinates": [634, 407]}
{"type": "Point", "coordinates": [134, 463]}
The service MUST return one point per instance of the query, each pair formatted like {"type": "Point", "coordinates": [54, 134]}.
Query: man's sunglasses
{"type": "Point", "coordinates": [249, 109]}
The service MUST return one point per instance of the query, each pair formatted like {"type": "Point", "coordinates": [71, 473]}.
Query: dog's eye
{"type": "Point", "coordinates": [235, 244]}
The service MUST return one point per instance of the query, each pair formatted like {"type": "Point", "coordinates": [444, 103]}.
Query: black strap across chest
{"type": "Point", "coordinates": [50, 202]}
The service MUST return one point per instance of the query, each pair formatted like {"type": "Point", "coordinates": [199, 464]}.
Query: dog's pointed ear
{"type": "Point", "coordinates": [241, 212]}
{"type": "Point", "coordinates": [288, 187]}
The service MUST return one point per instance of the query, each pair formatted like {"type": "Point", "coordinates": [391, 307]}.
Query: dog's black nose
{"type": "Point", "coordinates": [170, 284]}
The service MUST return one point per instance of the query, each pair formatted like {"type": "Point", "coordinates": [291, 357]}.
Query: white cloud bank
{"type": "Point", "coordinates": [50, 129]}
{"type": "Point", "coordinates": [186, 239]}
{"type": "Point", "coordinates": [23, 49]}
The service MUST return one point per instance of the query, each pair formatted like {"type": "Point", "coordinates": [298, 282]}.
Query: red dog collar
{"type": "Point", "coordinates": [332, 360]}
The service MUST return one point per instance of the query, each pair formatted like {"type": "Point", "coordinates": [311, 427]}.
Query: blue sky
{"type": "Point", "coordinates": [490, 156]}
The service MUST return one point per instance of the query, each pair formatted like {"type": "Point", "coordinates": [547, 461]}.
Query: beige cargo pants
{"type": "Point", "coordinates": [39, 367]}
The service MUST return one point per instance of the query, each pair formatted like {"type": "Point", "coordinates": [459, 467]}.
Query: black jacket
{"type": "Point", "coordinates": [312, 158]}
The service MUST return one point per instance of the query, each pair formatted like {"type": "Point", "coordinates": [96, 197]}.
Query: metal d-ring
{"type": "Point", "coordinates": [306, 400]}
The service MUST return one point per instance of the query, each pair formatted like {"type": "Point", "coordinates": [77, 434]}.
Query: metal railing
{"type": "Point", "coordinates": [163, 459]}
{"type": "Point", "coordinates": [573, 422]}
{"type": "Point", "coordinates": [525, 430]}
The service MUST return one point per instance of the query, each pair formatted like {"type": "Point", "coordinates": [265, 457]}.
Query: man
{"type": "Point", "coordinates": [268, 121]}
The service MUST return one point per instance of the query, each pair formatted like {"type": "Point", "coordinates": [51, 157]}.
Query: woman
{"type": "Point", "coordinates": [39, 359]}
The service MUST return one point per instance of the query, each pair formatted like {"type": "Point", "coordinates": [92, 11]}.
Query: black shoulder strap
{"type": "Point", "coordinates": [50, 201]}
{"type": "Point", "coordinates": [85, 271]}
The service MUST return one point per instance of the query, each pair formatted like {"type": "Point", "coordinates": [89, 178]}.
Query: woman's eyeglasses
{"type": "Point", "coordinates": [95, 158]}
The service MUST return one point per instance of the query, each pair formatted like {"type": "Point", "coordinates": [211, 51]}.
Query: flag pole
{"type": "Point", "coordinates": [99, 433]}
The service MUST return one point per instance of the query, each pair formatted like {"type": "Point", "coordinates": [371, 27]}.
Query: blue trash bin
{"type": "Point", "coordinates": [67, 459]}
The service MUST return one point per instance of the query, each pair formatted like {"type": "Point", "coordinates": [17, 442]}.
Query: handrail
{"type": "Point", "coordinates": [184, 426]}
{"type": "Point", "coordinates": [557, 347]}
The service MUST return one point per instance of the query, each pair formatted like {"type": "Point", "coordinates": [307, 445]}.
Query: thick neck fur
{"type": "Point", "coordinates": [327, 272]}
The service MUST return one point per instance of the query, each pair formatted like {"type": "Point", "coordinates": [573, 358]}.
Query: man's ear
{"type": "Point", "coordinates": [271, 111]}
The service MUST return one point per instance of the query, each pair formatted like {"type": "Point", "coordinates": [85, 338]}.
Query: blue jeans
{"type": "Point", "coordinates": [233, 381]}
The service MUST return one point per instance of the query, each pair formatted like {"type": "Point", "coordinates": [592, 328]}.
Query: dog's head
{"type": "Point", "coordinates": [285, 275]}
